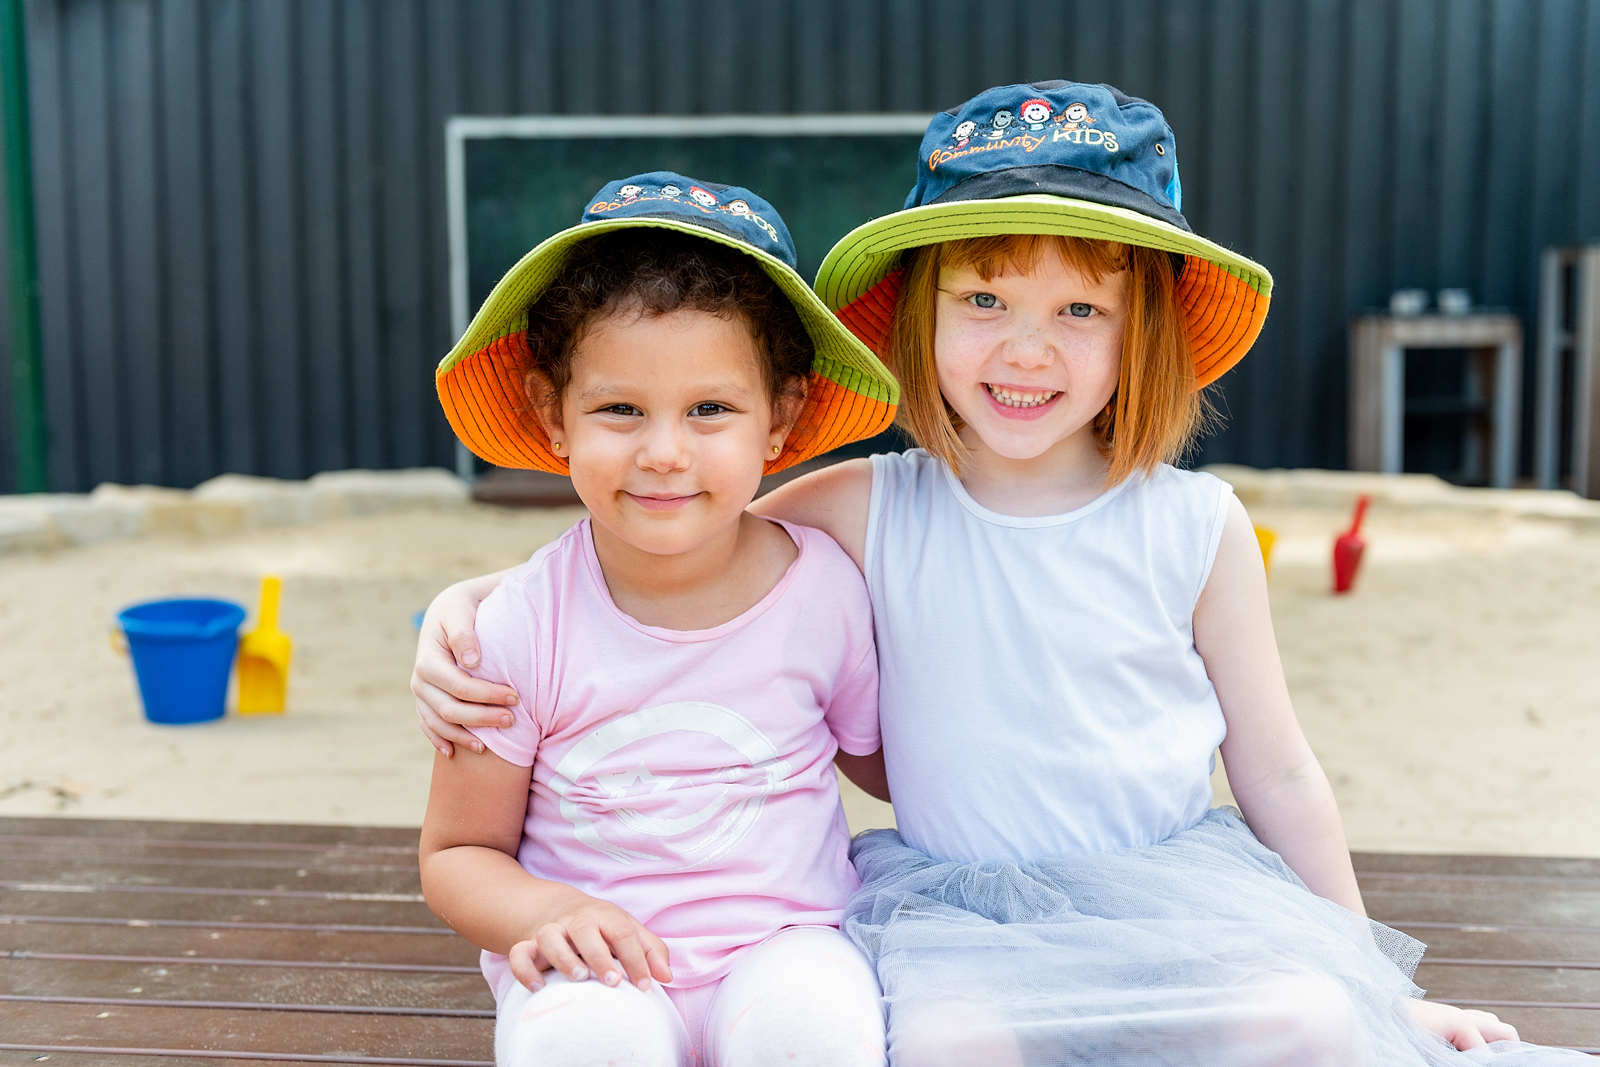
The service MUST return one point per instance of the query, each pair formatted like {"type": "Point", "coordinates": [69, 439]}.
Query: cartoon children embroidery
{"type": "Point", "coordinates": [964, 132]}
{"type": "Point", "coordinates": [1074, 117]}
{"type": "Point", "coordinates": [671, 190]}
{"type": "Point", "coordinates": [1035, 113]}
{"type": "Point", "coordinates": [629, 193]}
{"type": "Point", "coordinates": [701, 197]}
{"type": "Point", "coordinates": [739, 207]}
{"type": "Point", "coordinates": [1000, 125]}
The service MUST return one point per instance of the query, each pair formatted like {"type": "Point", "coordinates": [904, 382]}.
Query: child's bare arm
{"type": "Point", "coordinates": [834, 500]}
{"type": "Point", "coordinates": [473, 882]}
{"type": "Point", "coordinates": [446, 694]}
{"type": "Point", "coordinates": [868, 772]}
{"type": "Point", "coordinates": [1275, 777]}
{"type": "Point", "coordinates": [1272, 771]}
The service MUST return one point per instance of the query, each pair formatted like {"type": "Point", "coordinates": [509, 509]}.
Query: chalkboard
{"type": "Point", "coordinates": [520, 190]}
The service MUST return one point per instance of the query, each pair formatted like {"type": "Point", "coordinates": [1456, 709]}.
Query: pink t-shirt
{"type": "Point", "coordinates": [686, 776]}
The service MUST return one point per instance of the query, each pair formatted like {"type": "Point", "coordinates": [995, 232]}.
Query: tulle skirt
{"type": "Point", "coordinates": [1205, 949]}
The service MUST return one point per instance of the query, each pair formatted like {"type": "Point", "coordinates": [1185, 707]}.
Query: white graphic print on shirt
{"type": "Point", "coordinates": [695, 817]}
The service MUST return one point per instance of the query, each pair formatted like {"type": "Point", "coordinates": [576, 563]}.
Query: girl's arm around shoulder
{"type": "Point", "coordinates": [1275, 777]}
{"type": "Point", "coordinates": [448, 698]}
{"type": "Point", "coordinates": [835, 500]}
{"type": "Point", "coordinates": [473, 882]}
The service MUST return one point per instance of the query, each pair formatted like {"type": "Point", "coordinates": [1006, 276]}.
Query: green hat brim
{"type": "Point", "coordinates": [851, 393]}
{"type": "Point", "coordinates": [1223, 300]}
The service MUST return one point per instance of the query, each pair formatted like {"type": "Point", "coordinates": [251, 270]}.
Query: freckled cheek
{"type": "Point", "coordinates": [959, 354]}
{"type": "Point", "coordinates": [1095, 361]}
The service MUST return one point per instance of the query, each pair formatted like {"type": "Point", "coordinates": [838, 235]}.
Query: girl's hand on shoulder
{"type": "Point", "coordinates": [449, 698]}
{"type": "Point", "coordinates": [1466, 1030]}
{"type": "Point", "coordinates": [592, 939]}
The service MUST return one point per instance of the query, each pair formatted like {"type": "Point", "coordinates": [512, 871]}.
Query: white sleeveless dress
{"type": "Point", "coordinates": [1060, 890]}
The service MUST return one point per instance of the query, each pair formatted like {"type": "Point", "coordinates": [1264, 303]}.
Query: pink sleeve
{"type": "Point", "coordinates": [852, 714]}
{"type": "Point", "coordinates": [506, 636]}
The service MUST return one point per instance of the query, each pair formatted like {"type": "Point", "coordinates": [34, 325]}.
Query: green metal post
{"type": "Point", "coordinates": [27, 366]}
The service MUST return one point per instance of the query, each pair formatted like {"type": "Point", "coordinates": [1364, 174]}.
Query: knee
{"type": "Point", "coordinates": [577, 1024]}
{"type": "Point", "coordinates": [808, 997]}
{"type": "Point", "coordinates": [951, 1034]}
{"type": "Point", "coordinates": [1306, 1019]}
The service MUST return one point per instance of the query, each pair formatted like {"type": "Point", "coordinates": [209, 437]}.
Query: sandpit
{"type": "Point", "coordinates": [1454, 698]}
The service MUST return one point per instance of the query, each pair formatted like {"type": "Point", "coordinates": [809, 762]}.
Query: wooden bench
{"type": "Point", "coordinates": [129, 943]}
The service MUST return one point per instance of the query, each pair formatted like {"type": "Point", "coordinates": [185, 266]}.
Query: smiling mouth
{"type": "Point", "coordinates": [652, 502]}
{"type": "Point", "coordinates": [1021, 398]}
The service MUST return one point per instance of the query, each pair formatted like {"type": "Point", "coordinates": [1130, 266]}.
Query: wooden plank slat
{"type": "Point", "coordinates": [1539, 866]}
{"type": "Point", "coordinates": [366, 946]}
{"type": "Point", "coordinates": [157, 873]}
{"type": "Point", "coordinates": [187, 1057]}
{"type": "Point", "coordinates": [323, 862]}
{"type": "Point", "coordinates": [1564, 985]}
{"type": "Point", "coordinates": [231, 835]}
{"type": "Point", "coordinates": [300, 1035]}
{"type": "Point", "coordinates": [225, 924]}
{"type": "Point", "coordinates": [57, 1056]}
{"type": "Point", "coordinates": [423, 989]}
{"type": "Point", "coordinates": [1571, 910]}
{"type": "Point", "coordinates": [1509, 944]}
{"type": "Point", "coordinates": [155, 902]}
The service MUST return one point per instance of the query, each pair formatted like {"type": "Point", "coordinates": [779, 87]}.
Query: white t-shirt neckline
{"type": "Point", "coordinates": [591, 566]}
{"type": "Point", "coordinates": [1023, 522]}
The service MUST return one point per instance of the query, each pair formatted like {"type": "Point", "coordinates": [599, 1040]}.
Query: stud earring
{"type": "Point", "coordinates": [776, 449]}
{"type": "Point", "coordinates": [555, 445]}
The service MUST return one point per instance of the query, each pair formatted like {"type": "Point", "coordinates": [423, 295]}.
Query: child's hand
{"type": "Point", "coordinates": [590, 939]}
{"type": "Point", "coordinates": [446, 694]}
{"type": "Point", "coordinates": [1464, 1029]}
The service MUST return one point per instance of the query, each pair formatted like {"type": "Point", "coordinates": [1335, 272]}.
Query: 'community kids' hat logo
{"type": "Point", "coordinates": [1090, 142]}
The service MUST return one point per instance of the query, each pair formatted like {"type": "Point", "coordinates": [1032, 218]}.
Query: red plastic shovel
{"type": "Point", "coordinates": [1347, 550]}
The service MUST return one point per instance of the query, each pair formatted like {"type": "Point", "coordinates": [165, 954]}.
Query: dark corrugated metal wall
{"type": "Point", "coordinates": [241, 207]}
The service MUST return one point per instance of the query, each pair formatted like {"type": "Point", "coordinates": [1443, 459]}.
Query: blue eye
{"type": "Point", "coordinates": [985, 300]}
{"type": "Point", "coordinates": [1080, 311]}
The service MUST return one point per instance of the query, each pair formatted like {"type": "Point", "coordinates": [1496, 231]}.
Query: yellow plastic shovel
{"type": "Point", "coordinates": [1266, 537]}
{"type": "Point", "coordinates": [264, 657]}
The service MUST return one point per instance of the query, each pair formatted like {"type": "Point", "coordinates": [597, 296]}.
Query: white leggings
{"type": "Point", "coordinates": [805, 997]}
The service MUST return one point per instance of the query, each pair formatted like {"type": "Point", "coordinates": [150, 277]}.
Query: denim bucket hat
{"type": "Point", "coordinates": [1053, 158]}
{"type": "Point", "coordinates": [850, 394]}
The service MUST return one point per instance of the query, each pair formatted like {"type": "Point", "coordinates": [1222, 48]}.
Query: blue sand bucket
{"type": "Point", "coordinates": [182, 654]}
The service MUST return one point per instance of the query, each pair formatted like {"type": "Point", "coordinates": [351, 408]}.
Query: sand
{"type": "Point", "coordinates": [1454, 698]}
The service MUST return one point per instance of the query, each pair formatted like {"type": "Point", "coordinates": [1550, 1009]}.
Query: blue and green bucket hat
{"type": "Point", "coordinates": [850, 394]}
{"type": "Point", "coordinates": [1052, 157]}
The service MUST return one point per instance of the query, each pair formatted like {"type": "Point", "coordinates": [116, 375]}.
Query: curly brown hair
{"type": "Point", "coordinates": [657, 271]}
